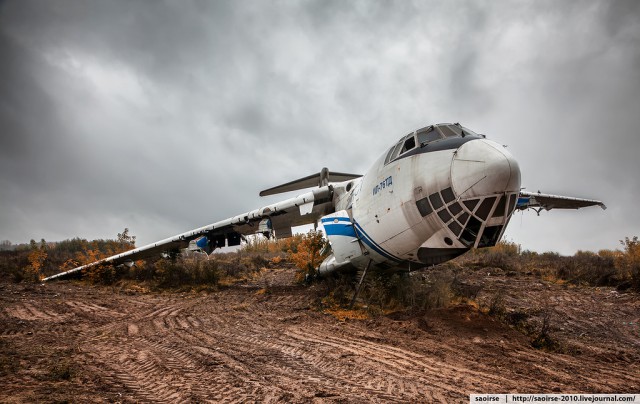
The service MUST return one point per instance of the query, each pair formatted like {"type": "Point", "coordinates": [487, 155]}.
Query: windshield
{"type": "Point", "coordinates": [426, 135]}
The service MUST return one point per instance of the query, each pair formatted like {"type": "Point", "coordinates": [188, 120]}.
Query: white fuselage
{"type": "Point", "coordinates": [431, 205]}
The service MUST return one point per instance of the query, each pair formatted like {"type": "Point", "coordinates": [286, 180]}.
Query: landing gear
{"type": "Point", "coordinates": [355, 295]}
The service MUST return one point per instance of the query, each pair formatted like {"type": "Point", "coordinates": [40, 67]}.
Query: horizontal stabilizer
{"type": "Point", "coordinates": [324, 177]}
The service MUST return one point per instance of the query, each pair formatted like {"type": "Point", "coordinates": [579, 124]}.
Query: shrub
{"type": "Point", "coordinates": [383, 291]}
{"type": "Point", "coordinates": [103, 273]}
{"type": "Point", "coordinates": [543, 339]}
{"type": "Point", "coordinates": [232, 265]}
{"type": "Point", "coordinates": [628, 262]}
{"type": "Point", "coordinates": [309, 254]}
{"type": "Point", "coordinates": [175, 273]}
{"type": "Point", "coordinates": [588, 267]}
{"type": "Point", "coordinates": [12, 265]}
{"type": "Point", "coordinates": [36, 257]}
{"type": "Point", "coordinates": [504, 255]}
{"type": "Point", "coordinates": [497, 306]}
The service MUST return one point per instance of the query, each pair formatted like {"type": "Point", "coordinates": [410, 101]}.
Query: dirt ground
{"type": "Point", "coordinates": [67, 341]}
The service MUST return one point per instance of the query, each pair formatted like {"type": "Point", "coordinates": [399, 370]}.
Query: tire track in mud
{"type": "Point", "coordinates": [397, 366]}
{"type": "Point", "coordinates": [246, 344]}
{"type": "Point", "coordinates": [151, 370]}
{"type": "Point", "coordinates": [296, 359]}
{"type": "Point", "coordinates": [28, 312]}
{"type": "Point", "coordinates": [229, 351]}
{"type": "Point", "coordinates": [308, 345]}
{"type": "Point", "coordinates": [338, 375]}
{"type": "Point", "coordinates": [156, 372]}
{"type": "Point", "coordinates": [235, 362]}
{"type": "Point", "coordinates": [290, 371]}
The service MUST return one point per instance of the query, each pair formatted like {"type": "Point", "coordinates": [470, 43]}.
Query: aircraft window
{"type": "Point", "coordinates": [469, 131]}
{"type": "Point", "coordinates": [426, 129]}
{"type": "Point", "coordinates": [447, 195]}
{"type": "Point", "coordinates": [485, 208]}
{"type": "Point", "coordinates": [470, 233]}
{"type": "Point", "coordinates": [388, 158]}
{"type": "Point", "coordinates": [436, 202]}
{"type": "Point", "coordinates": [444, 215]}
{"type": "Point", "coordinates": [428, 135]}
{"type": "Point", "coordinates": [471, 204]}
{"type": "Point", "coordinates": [424, 207]}
{"type": "Point", "coordinates": [500, 208]}
{"type": "Point", "coordinates": [490, 236]}
{"type": "Point", "coordinates": [450, 130]}
{"type": "Point", "coordinates": [463, 218]}
{"type": "Point", "coordinates": [396, 151]}
{"type": "Point", "coordinates": [409, 143]}
{"type": "Point", "coordinates": [455, 208]}
{"type": "Point", "coordinates": [455, 228]}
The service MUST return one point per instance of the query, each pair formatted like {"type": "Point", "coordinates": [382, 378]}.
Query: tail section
{"type": "Point", "coordinates": [324, 177]}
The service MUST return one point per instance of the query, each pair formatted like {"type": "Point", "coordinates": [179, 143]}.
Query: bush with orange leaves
{"type": "Point", "coordinates": [36, 257]}
{"type": "Point", "coordinates": [104, 273]}
{"type": "Point", "coordinates": [309, 254]}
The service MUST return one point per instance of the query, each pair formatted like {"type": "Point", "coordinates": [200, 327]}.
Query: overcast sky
{"type": "Point", "coordinates": [163, 116]}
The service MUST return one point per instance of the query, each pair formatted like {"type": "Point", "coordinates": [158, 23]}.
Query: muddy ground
{"type": "Point", "coordinates": [265, 341]}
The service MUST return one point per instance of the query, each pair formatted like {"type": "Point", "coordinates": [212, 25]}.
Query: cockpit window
{"type": "Point", "coordinates": [469, 131]}
{"type": "Point", "coordinates": [450, 130]}
{"type": "Point", "coordinates": [396, 151]}
{"type": "Point", "coordinates": [388, 158]}
{"type": "Point", "coordinates": [409, 143]}
{"type": "Point", "coordinates": [428, 135]}
{"type": "Point", "coordinates": [406, 144]}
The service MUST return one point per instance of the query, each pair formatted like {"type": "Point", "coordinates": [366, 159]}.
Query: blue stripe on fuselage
{"type": "Point", "coordinates": [374, 246]}
{"type": "Point", "coordinates": [352, 230]}
{"type": "Point", "coordinates": [339, 229]}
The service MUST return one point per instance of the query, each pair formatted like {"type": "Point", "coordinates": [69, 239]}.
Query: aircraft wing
{"type": "Point", "coordinates": [533, 200]}
{"type": "Point", "coordinates": [279, 217]}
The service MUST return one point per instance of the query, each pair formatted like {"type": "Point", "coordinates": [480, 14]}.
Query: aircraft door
{"type": "Point", "coordinates": [342, 236]}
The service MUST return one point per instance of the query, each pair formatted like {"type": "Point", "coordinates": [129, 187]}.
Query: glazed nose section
{"type": "Point", "coordinates": [482, 167]}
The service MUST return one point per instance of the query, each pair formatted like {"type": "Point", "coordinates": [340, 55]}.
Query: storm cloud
{"type": "Point", "coordinates": [165, 116]}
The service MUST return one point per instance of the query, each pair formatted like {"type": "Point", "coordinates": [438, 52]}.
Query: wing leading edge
{"type": "Point", "coordinates": [540, 201]}
{"type": "Point", "coordinates": [302, 209]}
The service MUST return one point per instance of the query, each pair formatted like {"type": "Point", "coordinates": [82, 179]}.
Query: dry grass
{"type": "Point", "coordinates": [383, 293]}
{"type": "Point", "coordinates": [605, 268]}
{"type": "Point", "coordinates": [343, 314]}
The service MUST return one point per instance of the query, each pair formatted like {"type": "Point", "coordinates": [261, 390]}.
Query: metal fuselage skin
{"type": "Point", "coordinates": [432, 204]}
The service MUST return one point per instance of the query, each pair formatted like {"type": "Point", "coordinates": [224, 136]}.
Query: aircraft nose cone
{"type": "Point", "coordinates": [482, 167]}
